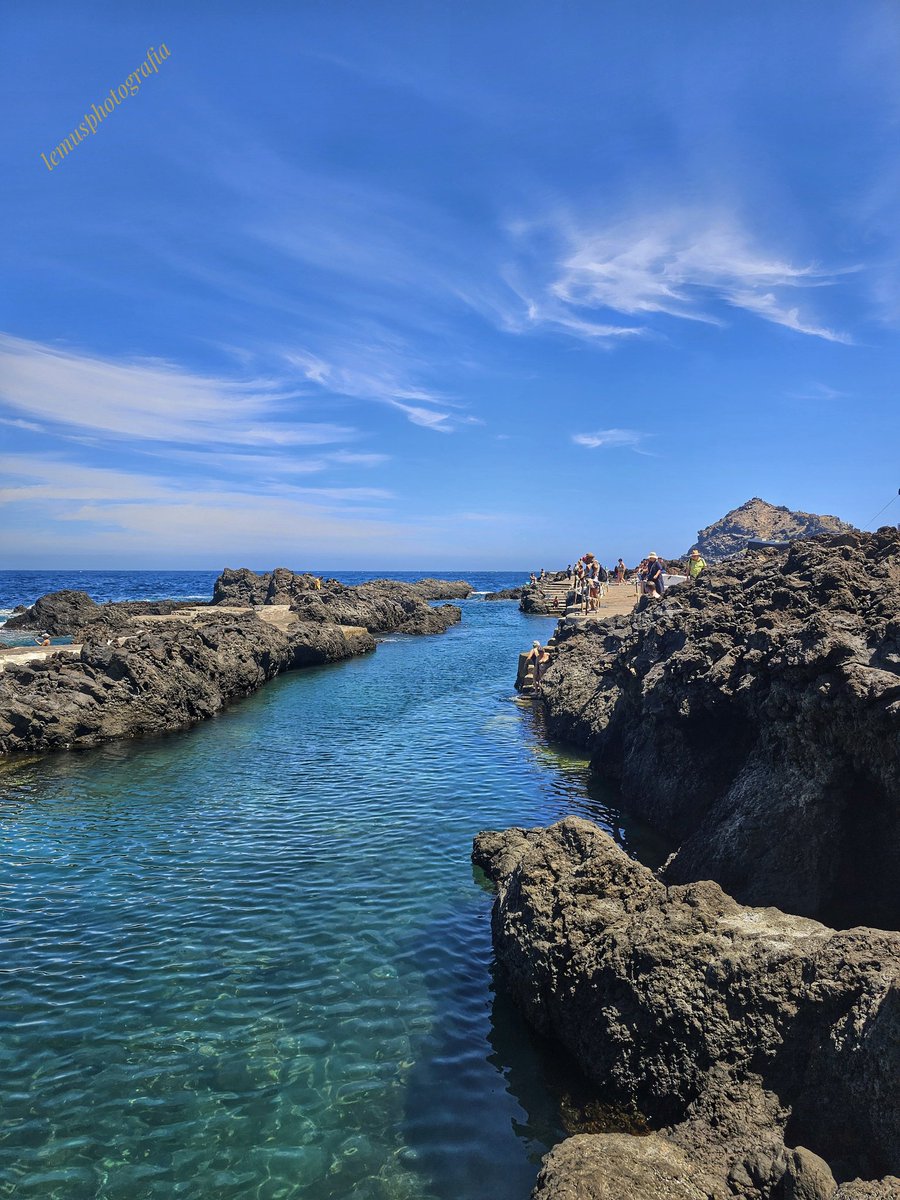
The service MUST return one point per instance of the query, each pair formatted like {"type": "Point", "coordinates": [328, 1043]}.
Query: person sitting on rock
{"type": "Point", "coordinates": [696, 564]}
{"type": "Point", "coordinates": [653, 582]}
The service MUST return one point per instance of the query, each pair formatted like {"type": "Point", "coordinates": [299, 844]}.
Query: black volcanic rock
{"type": "Point", "coordinates": [57, 613]}
{"type": "Point", "coordinates": [70, 612]}
{"type": "Point", "coordinates": [763, 1047]}
{"type": "Point", "coordinates": [382, 606]}
{"type": "Point", "coordinates": [753, 718]}
{"type": "Point", "coordinates": [441, 589]}
{"type": "Point", "coordinates": [241, 587]}
{"type": "Point", "coordinates": [768, 522]}
{"type": "Point", "coordinates": [156, 679]}
{"type": "Point", "coordinates": [514, 593]}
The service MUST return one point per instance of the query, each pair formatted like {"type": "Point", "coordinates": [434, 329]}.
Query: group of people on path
{"type": "Point", "coordinates": [650, 577]}
{"type": "Point", "coordinates": [589, 578]}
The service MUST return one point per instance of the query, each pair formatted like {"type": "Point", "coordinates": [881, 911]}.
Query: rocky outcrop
{"type": "Point", "coordinates": [72, 612]}
{"type": "Point", "coordinates": [515, 593]}
{"type": "Point", "coordinates": [382, 606]}
{"type": "Point", "coordinates": [156, 679]}
{"type": "Point", "coordinates": [763, 1048]}
{"type": "Point", "coordinates": [539, 600]}
{"type": "Point", "coordinates": [282, 586]}
{"type": "Point", "coordinates": [768, 522]}
{"type": "Point", "coordinates": [243, 587]}
{"type": "Point", "coordinates": [753, 718]}
{"type": "Point", "coordinates": [439, 589]}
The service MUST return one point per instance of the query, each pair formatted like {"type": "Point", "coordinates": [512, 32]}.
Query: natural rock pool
{"type": "Point", "coordinates": [249, 960]}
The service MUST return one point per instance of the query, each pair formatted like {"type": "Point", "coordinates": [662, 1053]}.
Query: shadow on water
{"type": "Point", "coordinates": [589, 795]}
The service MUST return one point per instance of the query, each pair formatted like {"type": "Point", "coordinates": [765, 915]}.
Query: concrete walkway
{"type": "Point", "coordinates": [23, 654]}
{"type": "Point", "coordinates": [619, 600]}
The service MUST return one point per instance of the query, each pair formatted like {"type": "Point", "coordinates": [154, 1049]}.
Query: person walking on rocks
{"type": "Point", "coordinates": [696, 565]}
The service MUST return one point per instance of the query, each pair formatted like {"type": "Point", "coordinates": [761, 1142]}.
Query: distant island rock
{"type": "Point", "coordinates": [767, 522]}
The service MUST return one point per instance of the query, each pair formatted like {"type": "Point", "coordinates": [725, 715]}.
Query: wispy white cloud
{"type": "Point", "coordinates": [49, 477]}
{"type": "Point", "coordinates": [151, 400]}
{"type": "Point", "coordinates": [609, 438]}
{"type": "Point", "coordinates": [378, 372]}
{"type": "Point", "coordinates": [687, 264]}
{"type": "Point", "coordinates": [817, 391]}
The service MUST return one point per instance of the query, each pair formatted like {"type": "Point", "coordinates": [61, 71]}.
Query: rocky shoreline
{"type": "Point", "coordinates": [762, 1048]}
{"type": "Point", "coordinates": [145, 668]}
{"type": "Point", "coordinates": [753, 718]}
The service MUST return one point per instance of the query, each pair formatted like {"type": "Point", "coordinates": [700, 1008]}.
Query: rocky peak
{"type": "Point", "coordinates": [759, 519]}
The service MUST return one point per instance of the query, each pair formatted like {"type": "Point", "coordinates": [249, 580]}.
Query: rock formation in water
{"type": "Point", "coordinates": [753, 718]}
{"type": "Point", "coordinates": [157, 677]}
{"type": "Point", "coordinates": [763, 1048]}
{"type": "Point", "coordinates": [150, 667]}
{"type": "Point", "coordinates": [515, 593]}
{"type": "Point", "coordinates": [282, 586]}
{"type": "Point", "coordinates": [382, 606]}
{"type": "Point", "coordinates": [768, 522]}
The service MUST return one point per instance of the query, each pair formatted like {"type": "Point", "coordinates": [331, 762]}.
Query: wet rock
{"type": "Point", "coordinates": [762, 1046]}
{"type": "Point", "coordinates": [156, 679]}
{"type": "Point", "coordinates": [753, 718]}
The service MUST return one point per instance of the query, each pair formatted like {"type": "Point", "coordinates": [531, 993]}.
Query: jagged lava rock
{"type": "Point", "coordinates": [753, 717]}
{"type": "Point", "coordinates": [515, 593]}
{"type": "Point", "coordinates": [382, 606]}
{"type": "Point", "coordinates": [157, 679]}
{"type": "Point", "coordinates": [762, 1046]}
{"type": "Point", "coordinates": [73, 612]}
{"type": "Point", "coordinates": [768, 522]}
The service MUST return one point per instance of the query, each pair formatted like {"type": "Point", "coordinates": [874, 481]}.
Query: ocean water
{"type": "Point", "coordinates": [251, 960]}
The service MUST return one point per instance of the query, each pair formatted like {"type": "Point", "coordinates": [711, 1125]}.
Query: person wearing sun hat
{"type": "Point", "coordinates": [653, 584]}
{"type": "Point", "coordinates": [695, 564]}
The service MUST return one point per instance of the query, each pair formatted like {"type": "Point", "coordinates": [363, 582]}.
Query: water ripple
{"type": "Point", "coordinates": [250, 961]}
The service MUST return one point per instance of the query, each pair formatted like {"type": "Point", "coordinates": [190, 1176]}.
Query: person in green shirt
{"type": "Point", "coordinates": [696, 564]}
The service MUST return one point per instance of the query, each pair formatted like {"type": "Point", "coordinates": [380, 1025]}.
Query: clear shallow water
{"type": "Point", "coordinates": [250, 960]}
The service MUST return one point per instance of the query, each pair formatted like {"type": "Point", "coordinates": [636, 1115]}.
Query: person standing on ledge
{"type": "Point", "coordinates": [696, 564]}
{"type": "Point", "coordinates": [653, 584]}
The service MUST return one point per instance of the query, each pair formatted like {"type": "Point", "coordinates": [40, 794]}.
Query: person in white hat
{"type": "Point", "coordinates": [696, 564]}
{"type": "Point", "coordinates": [653, 584]}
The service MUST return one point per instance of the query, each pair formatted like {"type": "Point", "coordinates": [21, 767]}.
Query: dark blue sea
{"type": "Point", "coordinates": [251, 959]}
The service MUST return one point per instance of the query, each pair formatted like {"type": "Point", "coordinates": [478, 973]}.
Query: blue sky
{"type": "Point", "coordinates": [443, 284]}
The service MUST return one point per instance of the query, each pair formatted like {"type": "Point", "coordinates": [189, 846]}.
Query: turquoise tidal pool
{"type": "Point", "coordinates": [251, 960]}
